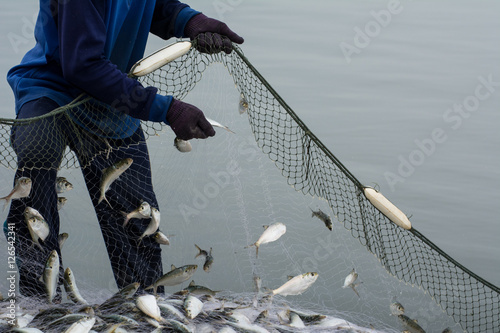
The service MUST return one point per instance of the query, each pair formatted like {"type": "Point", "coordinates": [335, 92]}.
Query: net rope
{"type": "Point", "coordinates": [308, 166]}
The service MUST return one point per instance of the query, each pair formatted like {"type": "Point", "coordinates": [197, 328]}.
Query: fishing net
{"type": "Point", "coordinates": [306, 164]}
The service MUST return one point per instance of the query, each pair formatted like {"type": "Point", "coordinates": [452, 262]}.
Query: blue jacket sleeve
{"type": "Point", "coordinates": [170, 18]}
{"type": "Point", "coordinates": [82, 39]}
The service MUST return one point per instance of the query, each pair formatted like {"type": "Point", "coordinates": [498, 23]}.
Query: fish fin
{"type": "Point", "coordinates": [199, 251]}
{"type": "Point", "coordinates": [126, 221]}
{"type": "Point", "coordinates": [150, 287]}
{"type": "Point", "coordinates": [256, 250]}
{"type": "Point", "coordinates": [265, 227]}
{"type": "Point", "coordinates": [354, 289]}
{"type": "Point", "coordinates": [7, 201]}
{"type": "Point", "coordinates": [289, 277]}
{"type": "Point", "coordinates": [173, 267]}
{"type": "Point", "coordinates": [192, 283]}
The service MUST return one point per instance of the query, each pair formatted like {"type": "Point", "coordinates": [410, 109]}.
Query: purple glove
{"type": "Point", "coordinates": [212, 35]}
{"type": "Point", "coordinates": [188, 122]}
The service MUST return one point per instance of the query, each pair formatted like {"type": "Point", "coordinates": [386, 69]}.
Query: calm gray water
{"type": "Point", "coordinates": [384, 102]}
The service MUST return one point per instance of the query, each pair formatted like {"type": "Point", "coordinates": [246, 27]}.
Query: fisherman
{"type": "Point", "coordinates": [88, 46]}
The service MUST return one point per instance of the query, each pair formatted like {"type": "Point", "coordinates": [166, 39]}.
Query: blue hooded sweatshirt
{"type": "Point", "coordinates": [89, 46]}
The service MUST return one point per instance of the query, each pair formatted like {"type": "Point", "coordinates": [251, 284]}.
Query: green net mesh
{"type": "Point", "coordinates": [304, 162]}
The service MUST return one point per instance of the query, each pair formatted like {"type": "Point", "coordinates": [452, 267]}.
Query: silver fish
{"type": "Point", "coordinates": [50, 275]}
{"type": "Point", "coordinates": [323, 217]}
{"type": "Point", "coordinates": [62, 239]}
{"type": "Point", "coordinates": [397, 309]}
{"type": "Point", "coordinates": [176, 276]}
{"type": "Point", "coordinates": [141, 212]}
{"type": "Point", "coordinates": [182, 145]}
{"type": "Point", "coordinates": [71, 288]}
{"type": "Point", "coordinates": [148, 305]}
{"type": "Point", "coordinates": [217, 124]}
{"type": "Point", "coordinates": [83, 325]}
{"type": "Point", "coordinates": [349, 281]}
{"type": "Point", "coordinates": [193, 306]}
{"type": "Point", "coordinates": [410, 325]}
{"type": "Point", "coordinates": [161, 238]}
{"type": "Point", "coordinates": [153, 225]}
{"type": "Point", "coordinates": [209, 260]}
{"type": "Point", "coordinates": [22, 189]}
{"type": "Point", "coordinates": [199, 290]}
{"type": "Point", "coordinates": [296, 285]}
{"type": "Point", "coordinates": [61, 201]}
{"type": "Point", "coordinates": [243, 104]}
{"type": "Point", "coordinates": [178, 326]}
{"type": "Point", "coordinates": [110, 174]}
{"type": "Point", "coordinates": [63, 185]}
{"type": "Point", "coordinates": [272, 233]}
{"type": "Point", "coordinates": [37, 226]}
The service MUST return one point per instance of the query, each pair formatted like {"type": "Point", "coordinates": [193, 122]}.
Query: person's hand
{"type": "Point", "coordinates": [188, 122]}
{"type": "Point", "coordinates": [212, 36]}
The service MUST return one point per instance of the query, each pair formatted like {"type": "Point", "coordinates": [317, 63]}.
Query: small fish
{"type": "Point", "coordinates": [243, 104]}
{"type": "Point", "coordinates": [83, 325]}
{"type": "Point", "coordinates": [110, 174]}
{"type": "Point", "coordinates": [217, 124]}
{"type": "Point", "coordinates": [270, 234]}
{"type": "Point", "coordinates": [397, 309]}
{"type": "Point", "coordinates": [323, 217]}
{"type": "Point", "coordinates": [410, 325]}
{"type": "Point", "coordinates": [177, 326]}
{"type": "Point", "coordinates": [61, 201]}
{"type": "Point", "coordinates": [209, 260]}
{"type": "Point", "coordinates": [148, 305]}
{"type": "Point", "coordinates": [62, 239]}
{"type": "Point", "coordinates": [296, 321]}
{"type": "Point", "coordinates": [71, 288]}
{"type": "Point", "coordinates": [153, 225]}
{"type": "Point", "coordinates": [50, 275]}
{"type": "Point", "coordinates": [193, 306]}
{"type": "Point", "coordinates": [37, 226]}
{"type": "Point", "coordinates": [199, 290]}
{"type": "Point", "coordinates": [22, 189]}
{"type": "Point", "coordinates": [257, 283]}
{"type": "Point", "coordinates": [141, 212]}
{"type": "Point", "coordinates": [296, 285]}
{"type": "Point", "coordinates": [349, 281]}
{"type": "Point", "coordinates": [182, 145]}
{"type": "Point", "coordinates": [308, 318]}
{"type": "Point", "coordinates": [176, 276]}
{"type": "Point", "coordinates": [161, 238]}
{"type": "Point", "coordinates": [63, 185]}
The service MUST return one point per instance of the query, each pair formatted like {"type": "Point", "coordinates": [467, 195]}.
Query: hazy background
{"type": "Point", "coordinates": [371, 109]}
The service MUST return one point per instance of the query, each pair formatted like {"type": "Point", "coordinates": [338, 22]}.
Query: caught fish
{"type": "Point", "coordinates": [110, 174]}
{"type": "Point", "coordinates": [410, 325]}
{"type": "Point", "coordinates": [296, 285]}
{"type": "Point", "coordinates": [243, 104]}
{"type": "Point", "coordinates": [193, 306]}
{"type": "Point", "coordinates": [397, 309]}
{"type": "Point", "coordinates": [217, 124]}
{"type": "Point", "coordinates": [50, 275]}
{"type": "Point", "coordinates": [61, 201]}
{"type": "Point", "coordinates": [37, 226]}
{"type": "Point", "coordinates": [323, 217]}
{"type": "Point", "coordinates": [22, 189]}
{"type": "Point", "coordinates": [199, 290]}
{"type": "Point", "coordinates": [71, 288]}
{"type": "Point", "coordinates": [161, 238]}
{"type": "Point", "coordinates": [153, 225]}
{"type": "Point", "coordinates": [209, 260]}
{"type": "Point", "coordinates": [257, 281]}
{"type": "Point", "coordinates": [176, 276]}
{"type": "Point", "coordinates": [182, 145]}
{"type": "Point", "coordinates": [63, 185]}
{"type": "Point", "coordinates": [148, 305]}
{"type": "Point", "coordinates": [141, 212]}
{"type": "Point", "coordinates": [83, 325]}
{"type": "Point", "coordinates": [62, 239]}
{"type": "Point", "coordinates": [349, 281]}
{"type": "Point", "coordinates": [270, 234]}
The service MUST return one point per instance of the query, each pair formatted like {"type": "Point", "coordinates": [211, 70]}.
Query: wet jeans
{"type": "Point", "coordinates": [40, 147]}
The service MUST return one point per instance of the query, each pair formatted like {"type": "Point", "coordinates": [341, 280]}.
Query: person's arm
{"type": "Point", "coordinates": [82, 39]}
{"type": "Point", "coordinates": [170, 18]}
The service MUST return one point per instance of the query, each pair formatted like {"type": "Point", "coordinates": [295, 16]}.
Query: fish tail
{"type": "Point", "coordinates": [7, 201]}
{"type": "Point", "coordinates": [199, 251]}
{"type": "Point", "coordinates": [256, 251]}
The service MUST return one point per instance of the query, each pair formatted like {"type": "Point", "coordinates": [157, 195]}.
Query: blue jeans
{"type": "Point", "coordinates": [40, 147]}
